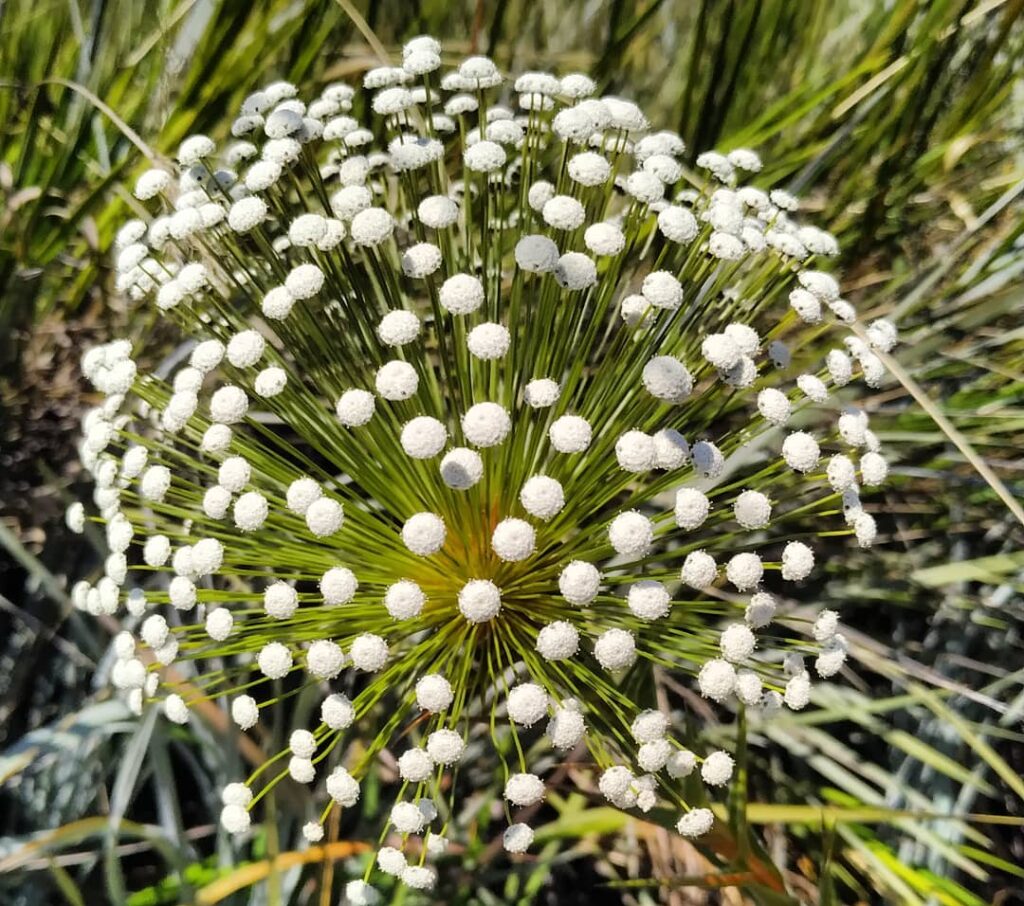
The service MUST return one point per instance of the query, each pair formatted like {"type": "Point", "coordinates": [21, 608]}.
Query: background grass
{"type": "Point", "coordinates": [900, 126]}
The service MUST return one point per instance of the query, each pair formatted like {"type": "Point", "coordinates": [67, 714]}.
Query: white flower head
{"type": "Point", "coordinates": [473, 376]}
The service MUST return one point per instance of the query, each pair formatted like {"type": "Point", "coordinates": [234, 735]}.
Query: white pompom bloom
{"type": "Point", "coordinates": [479, 600]}
{"type": "Point", "coordinates": [563, 213]}
{"type": "Point", "coordinates": [438, 212]}
{"type": "Point", "coordinates": [247, 213]}
{"type": "Point", "coordinates": [589, 169]}
{"type": "Point", "coordinates": [415, 765]}
{"type": "Point", "coordinates": [696, 823]}
{"type": "Point", "coordinates": [717, 680]}
{"type": "Point", "coordinates": [570, 434]}
{"type": "Point", "coordinates": [371, 226]}
{"type": "Point", "coordinates": [681, 763]}
{"type": "Point", "coordinates": [774, 406]}
{"type": "Point", "coordinates": [524, 789]}
{"type": "Point", "coordinates": [152, 183]}
{"type": "Point", "coordinates": [517, 838]}
{"type": "Point", "coordinates": [369, 652]}
{"type": "Point", "coordinates": [219, 623]}
{"type": "Point", "coordinates": [338, 585]}
{"type": "Point", "coordinates": [744, 571]}
{"type": "Point", "coordinates": [798, 692]}
{"type": "Point", "coordinates": [508, 408]}
{"type": "Point", "coordinates": [699, 569]}
{"type": "Point", "coordinates": [337, 711]}
{"type": "Point", "coordinates": [445, 746]}
{"type": "Point", "coordinates": [304, 281]}
{"type": "Point", "coordinates": [752, 509]}
{"type": "Point", "coordinates": [678, 224]}
{"type": "Point", "coordinates": [404, 599]}
{"type": "Point", "coordinates": [649, 726]}
{"type": "Point", "coordinates": [229, 405]}
{"type": "Point", "coordinates": [355, 408]}
{"type": "Point", "coordinates": [662, 290]}
{"type": "Point", "coordinates": [513, 539]}
{"type": "Point", "coordinates": [691, 508]}
{"type": "Point", "coordinates": [873, 469]}
{"type": "Point", "coordinates": [615, 649]}
{"type": "Point", "coordinates": [342, 787]}
{"type": "Point", "coordinates": [423, 437]}
{"type": "Point", "coordinates": [527, 704]}
{"type": "Point", "coordinates": [667, 379]}
{"type": "Point", "coordinates": [604, 239]}
{"type": "Point", "coordinates": [301, 494]}
{"type": "Point", "coordinates": [648, 599]}
{"type": "Point", "coordinates": [635, 452]}
{"type": "Point", "coordinates": [486, 424]}
{"type": "Point", "coordinates": [194, 149]}
{"type": "Point", "coordinates": [421, 260]}
{"type": "Point", "coordinates": [671, 450]}
{"type": "Point", "coordinates": [155, 483]}
{"type": "Point", "coordinates": [461, 468]}
{"type": "Point", "coordinates": [631, 533]}
{"type": "Point", "coordinates": [536, 254]}
{"type": "Point", "coordinates": [485, 157]}
{"type": "Point", "coordinates": [575, 271]}
{"type": "Point", "coordinates": [424, 534]}
{"type": "Point", "coordinates": [737, 643]}
{"type": "Point", "coordinates": [566, 728]}
{"type": "Point", "coordinates": [801, 451]}
{"type": "Point", "coordinates": [542, 497]}
{"type": "Point", "coordinates": [797, 561]}
{"type": "Point", "coordinates": [579, 582]}
{"type": "Point", "coordinates": [244, 712]}
{"type": "Point", "coordinates": [397, 328]}
{"type": "Point", "coordinates": [558, 641]}
{"type": "Point", "coordinates": [618, 785]}
{"type": "Point", "coordinates": [275, 660]}
{"type": "Point", "coordinates": [396, 380]}
{"type": "Point", "coordinates": [324, 517]}
{"type": "Point", "coordinates": [280, 600]}
{"type": "Point", "coordinates": [488, 341]}
{"type": "Point", "coordinates": [721, 350]}
{"type": "Point", "coordinates": [653, 756]}
{"type": "Point", "coordinates": [433, 693]}
{"type": "Point", "coordinates": [461, 294]}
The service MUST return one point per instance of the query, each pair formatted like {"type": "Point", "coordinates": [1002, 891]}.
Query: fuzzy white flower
{"type": "Point", "coordinates": [507, 408]}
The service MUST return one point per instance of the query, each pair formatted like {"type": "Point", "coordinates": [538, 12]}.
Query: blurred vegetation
{"type": "Point", "coordinates": [899, 124]}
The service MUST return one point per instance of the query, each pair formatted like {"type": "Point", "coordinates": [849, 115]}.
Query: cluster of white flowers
{"type": "Point", "coordinates": [473, 426]}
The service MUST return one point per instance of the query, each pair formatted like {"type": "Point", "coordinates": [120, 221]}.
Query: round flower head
{"type": "Point", "coordinates": [396, 380]}
{"type": "Point", "coordinates": [433, 693]}
{"type": "Point", "coordinates": [541, 393]}
{"type": "Point", "coordinates": [648, 599]}
{"type": "Point", "coordinates": [461, 468]}
{"type": "Point", "coordinates": [527, 704]}
{"type": "Point", "coordinates": [570, 434]}
{"type": "Point", "coordinates": [696, 823]}
{"type": "Point", "coordinates": [536, 254]}
{"type": "Point", "coordinates": [488, 341]}
{"type": "Point", "coordinates": [424, 534]}
{"type": "Point", "coordinates": [404, 600]}
{"type": "Point", "coordinates": [542, 497]}
{"type": "Point", "coordinates": [479, 600]}
{"type": "Point", "coordinates": [461, 294]}
{"type": "Point", "coordinates": [575, 271]}
{"type": "Point", "coordinates": [446, 452]}
{"type": "Point", "coordinates": [524, 789]}
{"type": "Point", "coordinates": [667, 379]}
{"type": "Point", "coordinates": [486, 424]}
{"type": "Point", "coordinates": [517, 838]}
